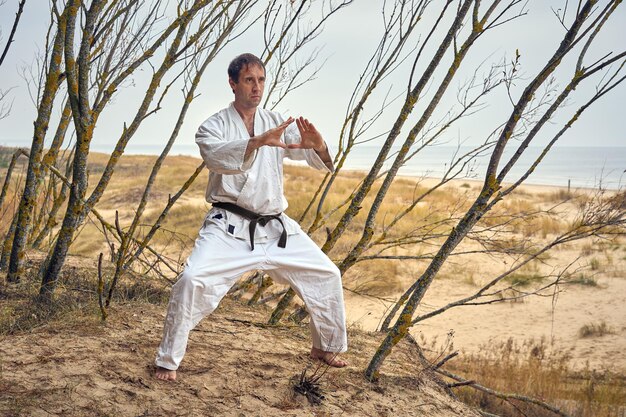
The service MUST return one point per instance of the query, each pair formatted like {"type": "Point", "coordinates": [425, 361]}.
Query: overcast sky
{"type": "Point", "coordinates": [348, 40]}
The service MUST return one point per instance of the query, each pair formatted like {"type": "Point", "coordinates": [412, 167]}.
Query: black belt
{"type": "Point", "coordinates": [255, 218]}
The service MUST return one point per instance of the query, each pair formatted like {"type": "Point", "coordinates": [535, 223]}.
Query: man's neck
{"type": "Point", "coordinates": [246, 113]}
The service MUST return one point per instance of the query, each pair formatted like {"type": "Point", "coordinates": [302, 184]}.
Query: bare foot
{"type": "Point", "coordinates": [165, 374]}
{"type": "Point", "coordinates": [329, 358]}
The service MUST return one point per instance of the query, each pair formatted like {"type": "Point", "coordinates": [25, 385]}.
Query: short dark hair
{"type": "Point", "coordinates": [241, 62]}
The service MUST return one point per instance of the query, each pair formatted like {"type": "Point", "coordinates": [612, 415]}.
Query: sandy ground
{"type": "Point", "coordinates": [555, 319]}
{"type": "Point", "coordinates": [478, 326]}
{"type": "Point", "coordinates": [235, 366]}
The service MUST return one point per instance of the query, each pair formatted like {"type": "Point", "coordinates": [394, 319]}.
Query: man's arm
{"type": "Point", "coordinates": [269, 138]}
{"type": "Point", "coordinates": [221, 156]}
{"type": "Point", "coordinates": [229, 157]}
{"type": "Point", "coordinates": [325, 156]}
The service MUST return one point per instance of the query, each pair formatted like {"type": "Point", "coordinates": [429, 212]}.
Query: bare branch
{"type": "Point", "coordinates": [18, 14]}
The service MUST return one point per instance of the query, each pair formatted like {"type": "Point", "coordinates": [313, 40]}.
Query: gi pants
{"type": "Point", "coordinates": [216, 262]}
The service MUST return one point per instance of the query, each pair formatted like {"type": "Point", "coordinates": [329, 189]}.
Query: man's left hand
{"type": "Point", "coordinates": [310, 137]}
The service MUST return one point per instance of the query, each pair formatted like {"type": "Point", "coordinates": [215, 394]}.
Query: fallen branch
{"type": "Point", "coordinates": [501, 395]}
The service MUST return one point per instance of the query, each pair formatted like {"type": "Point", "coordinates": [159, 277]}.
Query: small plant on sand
{"type": "Point", "coordinates": [595, 330]}
{"type": "Point", "coordinates": [583, 279]}
{"type": "Point", "coordinates": [470, 280]}
{"type": "Point", "coordinates": [587, 249]}
{"type": "Point", "coordinates": [523, 280]}
{"type": "Point", "coordinates": [594, 264]}
{"type": "Point", "coordinates": [309, 385]}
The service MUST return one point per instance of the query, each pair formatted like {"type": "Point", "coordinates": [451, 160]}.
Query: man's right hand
{"type": "Point", "coordinates": [269, 138]}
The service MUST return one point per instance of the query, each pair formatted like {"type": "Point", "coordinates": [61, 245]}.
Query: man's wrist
{"type": "Point", "coordinates": [323, 148]}
{"type": "Point", "coordinates": [255, 142]}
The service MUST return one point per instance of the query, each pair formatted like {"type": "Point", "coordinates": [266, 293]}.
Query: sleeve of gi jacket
{"type": "Point", "coordinates": [292, 135]}
{"type": "Point", "coordinates": [220, 154]}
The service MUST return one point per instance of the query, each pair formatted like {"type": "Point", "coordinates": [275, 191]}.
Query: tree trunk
{"type": "Point", "coordinates": [6, 246]}
{"type": "Point", "coordinates": [83, 122]}
{"type": "Point", "coordinates": [9, 174]}
{"type": "Point", "coordinates": [482, 204]}
{"type": "Point", "coordinates": [29, 196]}
{"type": "Point", "coordinates": [279, 311]}
{"type": "Point", "coordinates": [266, 282]}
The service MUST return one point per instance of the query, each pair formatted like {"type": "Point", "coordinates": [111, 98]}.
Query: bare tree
{"type": "Point", "coordinates": [18, 15]}
{"type": "Point", "coordinates": [50, 89]}
{"type": "Point", "coordinates": [400, 22]}
{"type": "Point", "coordinates": [5, 108]}
{"type": "Point", "coordinates": [581, 31]}
{"type": "Point", "coordinates": [221, 29]}
{"type": "Point", "coordinates": [286, 35]}
{"type": "Point", "coordinates": [124, 23]}
{"type": "Point", "coordinates": [285, 40]}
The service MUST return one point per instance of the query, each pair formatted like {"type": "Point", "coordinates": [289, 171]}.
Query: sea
{"type": "Point", "coordinates": [573, 166]}
{"type": "Point", "coordinates": [577, 167]}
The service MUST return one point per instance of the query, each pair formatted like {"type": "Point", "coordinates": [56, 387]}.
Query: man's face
{"type": "Point", "coordinates": [249, 89]}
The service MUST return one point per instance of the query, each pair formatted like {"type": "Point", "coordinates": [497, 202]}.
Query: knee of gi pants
{"type": "Point", "coordinates": [329, 267]}
{"type": "Point", "coordinates": [335, 271]}
{"type": "Point", "coordinates": [332, 273]}
{"type": "Point", "coordinates": [187, 279]}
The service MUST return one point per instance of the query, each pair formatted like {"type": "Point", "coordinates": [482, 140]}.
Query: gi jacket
{"type": "Point", "coordinates": [255, 183]}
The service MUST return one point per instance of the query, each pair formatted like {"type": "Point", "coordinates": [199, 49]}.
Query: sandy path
{"type": "Point", "coordinates": [535, 318]}
{"type": "Point", "coordinates": [233, 367]}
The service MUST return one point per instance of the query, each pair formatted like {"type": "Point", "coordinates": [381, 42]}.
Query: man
{"type": "Point", "coordinates": [243, 146]}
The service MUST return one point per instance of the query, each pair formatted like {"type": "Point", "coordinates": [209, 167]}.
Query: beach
{"type": "Point", "coordinates": [578, 323]}
{"type": "Point", "coordinates": [555, 320]}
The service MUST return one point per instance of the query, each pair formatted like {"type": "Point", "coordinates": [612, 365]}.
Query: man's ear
{"type": "Point", "coordinates": [232, 84]}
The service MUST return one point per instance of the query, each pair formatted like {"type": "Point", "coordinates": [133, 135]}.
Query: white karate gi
{"type": "Point", "coordinates": [222, 250]}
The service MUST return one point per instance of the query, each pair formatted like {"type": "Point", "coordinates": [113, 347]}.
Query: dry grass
{"type": "Point", "coordinates": [377, 277]}
{"type": "Point", "coordinates": [594, 264]}
{"type": "Point", "coordinates": [75, 300]}
{"type": "Point", "coordinates": [533, 369]}
{"type": "Point", "coordinates": [529, 368]}
{"type": "Point", "coordinates": [301, 182]}
{"type": "Point", "coordinates": [582, 279]}
{"type": "Point", "coordinates": [558, 196]}
{"type": "Point", "coordinates": [524, 280]}
{"type": "Point", "coordinates": [525, 218]}
{"type": "Point", "coordinates": [595, 330]}
{"type": "Point", "coordinates": [527, 275]}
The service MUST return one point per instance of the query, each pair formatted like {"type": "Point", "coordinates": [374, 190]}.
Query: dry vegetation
{"type": "Point", "coordinates": [595, 330]}
{"type": "Point", "coordinates": [532, 368]}
{"type": "Point", "coordinates": [68, 362]}
{"type": "Point", "coordinates": [535, 369]}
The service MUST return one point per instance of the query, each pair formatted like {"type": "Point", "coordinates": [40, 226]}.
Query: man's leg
{"type": "Point", "coordinates": [216, 262]}
{"type": "Point", "coordinates": [316, 279]}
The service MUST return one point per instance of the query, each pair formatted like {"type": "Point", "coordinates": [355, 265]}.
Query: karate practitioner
{"type": "Point", "coordinates": [243, 146]}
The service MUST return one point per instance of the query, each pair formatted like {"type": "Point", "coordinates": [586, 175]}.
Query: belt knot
{"type": "Point", "coordinates": [255, 219]}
